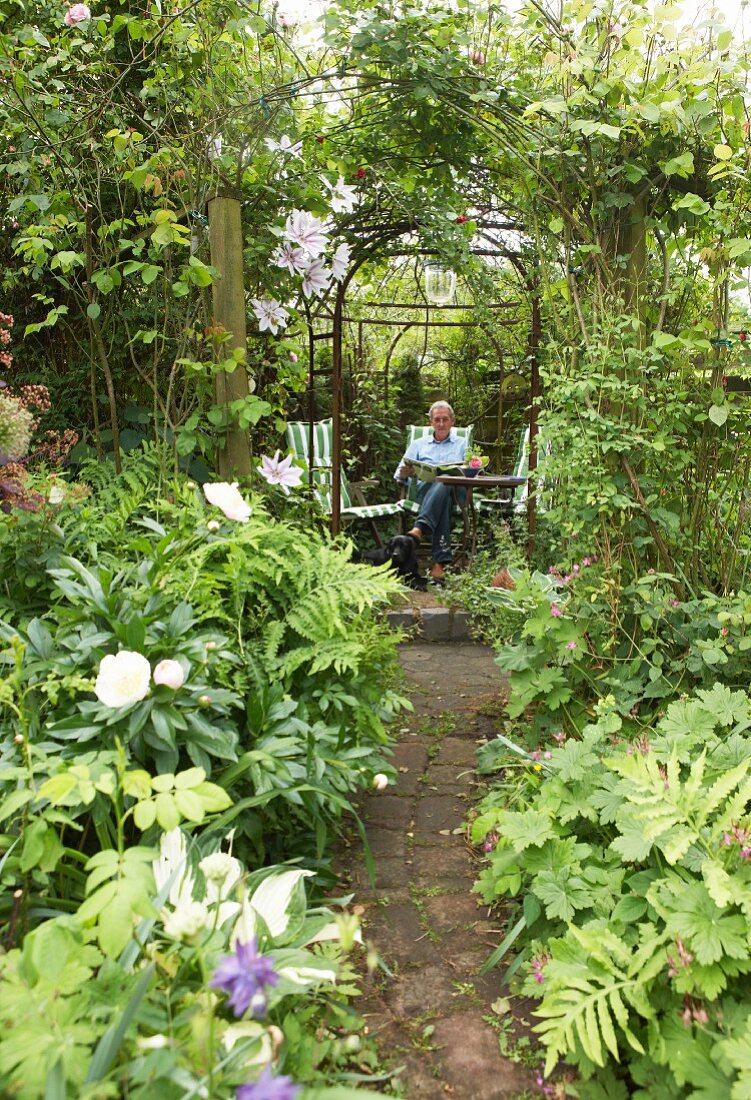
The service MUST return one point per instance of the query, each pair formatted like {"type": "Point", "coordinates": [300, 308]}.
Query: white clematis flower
{"type": "Point", "coordinates": [123, 678]}
{"type": "Point", "coordinates": [271, 314]}
{"type": "Point", "coordinates": [343, 198]}
{"type": "Point", "coordinates": [173, 860]}
{"type": "Point", "coordinates": [285, 145]}
{"type": "Point", "coordinates": [227, 497]}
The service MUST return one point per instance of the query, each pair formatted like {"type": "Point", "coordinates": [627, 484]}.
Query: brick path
{"type": "Point", "coordinates": [422, 917]}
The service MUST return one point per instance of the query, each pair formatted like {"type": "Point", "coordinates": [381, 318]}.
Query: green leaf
{"type": "Point", "coordinates": [530, 827]}
{"type": "Point", "coordinates": [562, 893]}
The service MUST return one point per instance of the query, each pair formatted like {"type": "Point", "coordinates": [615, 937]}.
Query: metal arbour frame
{"type": "Point", "coordinates": [337, 319]}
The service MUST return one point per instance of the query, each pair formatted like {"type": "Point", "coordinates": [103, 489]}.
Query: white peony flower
{"type": "Point", "coordinates": [170, 674]}
{"type": "Point", "coordinates": [123, 678]}
{"type": "Point", "coordinates": [340, 261]}
{"type": "Point", "coordinates": [271, 314]}
{"type": "Point", "coordinates": [227, 497]}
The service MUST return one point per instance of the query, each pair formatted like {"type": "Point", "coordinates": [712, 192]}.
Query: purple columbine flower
{"type": "Point", "coordinates": [268, 1087]}
{"type": "Point", "coordinates": [244, 976]}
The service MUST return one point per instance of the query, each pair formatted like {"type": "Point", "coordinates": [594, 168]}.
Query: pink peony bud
{"type": "Point", "coordinates": [380, 781]}
{"type": "Point", "coordinates": [475, 463]}
{"type": "Point", "coordinates": [77, 13]}
{"type": "Point", "coordinates": [170, 674]}
{"type": "Point", "coordinates": [293, 357]}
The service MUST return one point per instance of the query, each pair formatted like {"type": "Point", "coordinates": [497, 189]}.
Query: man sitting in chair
{"type": "Point", "coordinates": [443, 448]}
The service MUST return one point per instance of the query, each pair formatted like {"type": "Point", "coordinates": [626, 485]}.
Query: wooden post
{"type": "Point", "coordinates": [228, 296]}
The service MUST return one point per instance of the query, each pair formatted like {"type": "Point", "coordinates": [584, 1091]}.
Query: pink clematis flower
{"type": "Point", "coordinates": [306, 231]}
{"type": "Point", "coordinates": [280, 472]}
{"type": "Point", "coordinates": [77, 13]}
{"type": "Point", "coordinates": [316, 278]}
{"type": "Point", "coordinates": [343, 198]}
{"type": "Point", "coordinates": [340, 261]}
{"type": "Point", "coordinates": [293, 259]}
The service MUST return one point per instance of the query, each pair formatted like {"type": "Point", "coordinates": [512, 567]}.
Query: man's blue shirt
{"type": "Point", "coordinates": [450, 452]}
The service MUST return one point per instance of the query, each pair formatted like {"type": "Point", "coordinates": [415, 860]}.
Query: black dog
{"type": "Point", "coordinates": [401, 554]}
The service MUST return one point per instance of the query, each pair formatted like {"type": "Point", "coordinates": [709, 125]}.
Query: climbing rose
{"type": "Point", "coordinates": [244, 976]}
{"type": "Point", "coordinates": [77, 13]}
{"type": "Point", "coordinates": [268, 1087]}
{"type": "Point", "coordinates": [123, 679]}
{"type": "Point", "coordinates": [227, 497]}
{"type": "Point", "coordinates": [170, 674]}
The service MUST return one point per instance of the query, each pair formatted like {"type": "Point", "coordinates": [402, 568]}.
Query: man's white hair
{"type": "Point", "coordinates": [440, 405]}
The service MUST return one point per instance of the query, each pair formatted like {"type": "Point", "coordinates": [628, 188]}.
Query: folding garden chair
{"type": "Point", "coordinates": [298, 440]}
{"type": "Point", "coordinates": [517, 504]}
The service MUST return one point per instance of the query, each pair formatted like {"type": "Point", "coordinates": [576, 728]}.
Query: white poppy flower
{"type": "Point", "coordinates": [169, 673]}
{"type": "Point", "coordinates": [227, 497]}
{"type": "Point", "coordinates": [123, 678]}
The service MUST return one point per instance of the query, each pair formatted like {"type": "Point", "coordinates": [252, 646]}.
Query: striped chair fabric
{"type": "Point", "coordinates": [298, 438]}
{"type": "Point", "coordinates": [417, 431]}
{"type": "Point", "coordinates": [518, 502]}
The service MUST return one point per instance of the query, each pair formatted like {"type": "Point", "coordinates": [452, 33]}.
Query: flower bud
{"type": "Point", "coordinates": [170, 674]}
{"type": "Point", "coordinates": [380, 781]}
{"type": "Point", "coordinates": [204, 700]}
{"type": "Point", "coordinates": [213, 525]}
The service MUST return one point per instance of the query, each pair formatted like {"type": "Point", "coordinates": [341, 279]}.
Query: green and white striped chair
{"type": "Point", "coordinates": [298, 439]}
{"type": "Point", "coordinates": [518, 502]}
{"type": "Point", "coordinates": [417, 431]}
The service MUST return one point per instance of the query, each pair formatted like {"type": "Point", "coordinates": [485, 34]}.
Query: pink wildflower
{"type": "Point", "coordinates": [586, 561]}
{"type": "Point", "coordinates": [570, 645]}
{"type": "Point", "coordinates": [555, 611]}
{"type": "Point", "coordinates": [575, 569]}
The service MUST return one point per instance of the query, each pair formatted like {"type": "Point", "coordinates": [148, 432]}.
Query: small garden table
{"type": "Point", "coordinates": [481, 482]}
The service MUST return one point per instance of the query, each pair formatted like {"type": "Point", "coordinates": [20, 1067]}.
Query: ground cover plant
{"type": "Point", "coordinates": [173, 665]}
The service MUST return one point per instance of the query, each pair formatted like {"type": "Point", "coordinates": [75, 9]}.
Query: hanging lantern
{"type": "Point", "coordinates": [440, 284]}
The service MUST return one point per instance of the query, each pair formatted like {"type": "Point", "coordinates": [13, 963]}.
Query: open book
{"type": "Point", "coordinates": [428, 471]}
